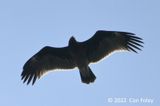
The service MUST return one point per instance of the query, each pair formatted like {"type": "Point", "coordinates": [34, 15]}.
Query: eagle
{"type": "Point", "coordinates": [79, 54]}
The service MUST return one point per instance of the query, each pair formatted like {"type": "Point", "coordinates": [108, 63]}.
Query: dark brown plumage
{"type": "Point", "coordinates": [79, 54]}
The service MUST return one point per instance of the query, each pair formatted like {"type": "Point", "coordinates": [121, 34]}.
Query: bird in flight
{"type": "Point", "coordinates": [79, 54]}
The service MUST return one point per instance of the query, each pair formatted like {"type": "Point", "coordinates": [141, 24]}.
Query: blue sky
{"type": "Point", "coordinates": [28, 25]}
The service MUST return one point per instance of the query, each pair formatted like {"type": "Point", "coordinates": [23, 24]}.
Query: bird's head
{"type": "Point", "coordinates": [72, 41]}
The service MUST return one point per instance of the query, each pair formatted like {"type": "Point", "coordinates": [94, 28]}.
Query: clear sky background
{"type": "Point", "coordinates": [28, 25]}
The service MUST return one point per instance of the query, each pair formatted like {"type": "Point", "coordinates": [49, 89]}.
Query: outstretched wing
{"type": "Point", "coordinates": [46, 59]}
{"type": "Point", "coordinates": [105, 42]}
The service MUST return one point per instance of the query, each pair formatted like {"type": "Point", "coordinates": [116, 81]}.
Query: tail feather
{"type": "Point", "coordinates": [87, 76]}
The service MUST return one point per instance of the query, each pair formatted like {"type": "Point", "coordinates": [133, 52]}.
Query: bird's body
{"type": "Point", "coordinates": [77, 49]}
{"type": "Point", "coordinates": [79, 54]}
